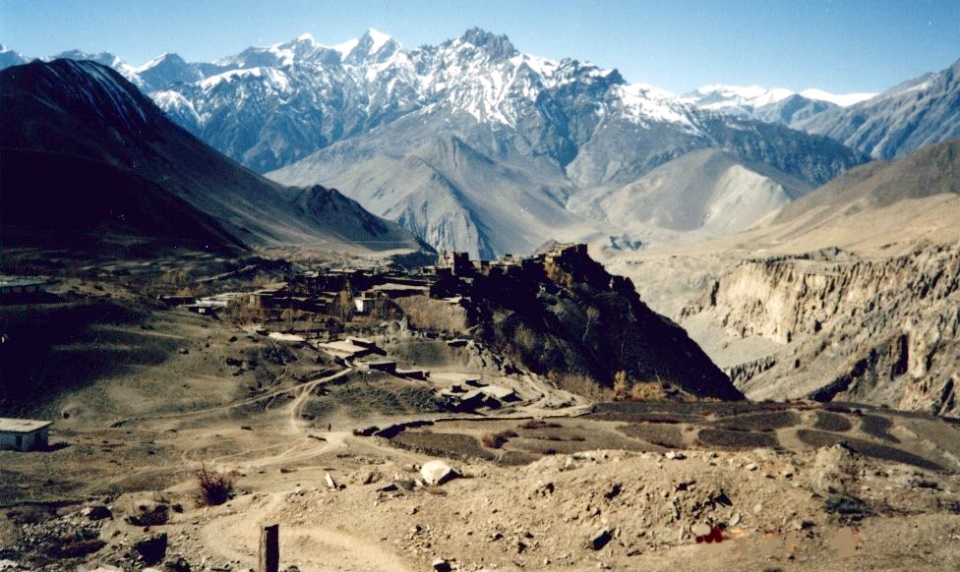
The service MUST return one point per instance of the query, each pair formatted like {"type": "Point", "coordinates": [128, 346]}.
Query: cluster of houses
{"type": "Point", "coordinates": [367, 291]}
{"type": "Point", "coordinates": [474, 394]}
{"type": "Point", "coordinates": [317, 292]}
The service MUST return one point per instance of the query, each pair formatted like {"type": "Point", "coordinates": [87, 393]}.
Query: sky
{"type": "Point", "coordinates": [841, 46]}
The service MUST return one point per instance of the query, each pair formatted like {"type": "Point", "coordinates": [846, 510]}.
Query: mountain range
{"type": "Point", "coordinates": [471, 145]}
{"type": "Point", "coordinates": [477, 147]}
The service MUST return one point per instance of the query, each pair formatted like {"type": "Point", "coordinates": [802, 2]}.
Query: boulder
{"type": "Point", "coordinates": [600, 539]}
{"type": "Point", "coordinates": [97, 512]}
{"type": "Point", "coordinates": [330, 482]}
{"type": "Point", "coordinates": [438, 472]}
{"type": "Point", "coordinates": [152, 548]}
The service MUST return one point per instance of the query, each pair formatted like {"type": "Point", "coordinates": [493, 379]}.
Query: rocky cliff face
{"type": "Point", "coordinates": [880, 331]}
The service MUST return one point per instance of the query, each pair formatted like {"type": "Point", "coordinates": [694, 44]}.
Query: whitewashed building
{"type": "Point", "coordinates": [23, 434]}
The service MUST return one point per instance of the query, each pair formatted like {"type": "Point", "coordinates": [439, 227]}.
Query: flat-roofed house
{"type": "Point", "coordinates": [20, 286]}
{"type": "Point", "coordinates": [23, 434]}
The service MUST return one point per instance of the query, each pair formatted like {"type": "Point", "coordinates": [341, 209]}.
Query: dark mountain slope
{"type": "Point", "coordinates": [54, 199]}
{"type": "Point", "coordinates": [82, 109]}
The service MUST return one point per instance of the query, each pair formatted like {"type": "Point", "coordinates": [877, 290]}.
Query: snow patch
{"type": "Point", "coordinates": [643, 102]}
{"type": "Point", "coordinates": [843, 100]}
{"type": "Point", "coordinates": [276, 78]}
{"type": "Point", "coordinates": [346, 47]}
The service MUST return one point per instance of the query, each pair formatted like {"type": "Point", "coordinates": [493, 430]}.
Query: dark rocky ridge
{"type": "Point", "coordinates": [562, 315]}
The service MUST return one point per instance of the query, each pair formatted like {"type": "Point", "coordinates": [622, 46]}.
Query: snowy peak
{"type": "Point", "coordinates": [644, 103]}
{"type": "Point", "coordinates": [302, 50]}
{"type": "Point", "coordinates": [731, 97]}
{"type": "Point", "coordinates": [10, 58]}
{"type": "Point", "coordinates": [375, 39]}
{"type": "Point", "coordinates": [748, 98]}
{"type": "Point", "coordinates": [498, 47]}
{"type": "Point", "coordinates": [103, 58]}
{"type": "Point", "coordinates": [168, 60]}
{"type": "Point", "coordinates": [168, 69]}
{"type": "Point", "coordinates": [371, 47]}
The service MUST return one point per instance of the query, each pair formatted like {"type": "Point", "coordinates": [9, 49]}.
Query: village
{"type": "Point", "coordinates": [369, 291]}
{"type": "Point", "coordinates": [362, 299]}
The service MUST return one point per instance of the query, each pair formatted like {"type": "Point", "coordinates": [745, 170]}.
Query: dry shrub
{"type": "Point", "coordinates": [215, 487]}
{"type": "Point", "coordinates": [76, 548]}
{"type": "Point", "coordinates": [539, 424]}
{"type": "Point", "coordinates": [497, 440]}
{"type": "Point", "coordinates": [436, 315]}
{"type": "Point", "coordinates": [647, 391]}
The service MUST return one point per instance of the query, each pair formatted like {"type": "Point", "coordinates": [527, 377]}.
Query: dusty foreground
{"type": "Point", "coordinates": [824, 510]}
{"type": "Point", "coordinates": [569, 485]}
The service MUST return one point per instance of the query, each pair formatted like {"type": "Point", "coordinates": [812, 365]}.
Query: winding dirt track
{"type": "Point", "coordinates": [235, 536]}
{"type": "Point", "coordinates": [313, 547]}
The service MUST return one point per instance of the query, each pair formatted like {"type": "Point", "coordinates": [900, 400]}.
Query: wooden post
{"type": "Point", "coordinates": [270, 548]}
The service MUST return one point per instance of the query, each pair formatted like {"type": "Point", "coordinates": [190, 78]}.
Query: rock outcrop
{"type": "Point", "coordinates": [562, 315]}
{"type": "Point", "coordinates": [882, 331]}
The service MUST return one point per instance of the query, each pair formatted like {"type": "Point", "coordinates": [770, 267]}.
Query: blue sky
{"type": "Point", "coordinates": [837, 45]}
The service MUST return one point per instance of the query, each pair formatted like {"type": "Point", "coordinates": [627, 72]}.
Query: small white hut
{"type": "Point", "coordinates": [23, 434]}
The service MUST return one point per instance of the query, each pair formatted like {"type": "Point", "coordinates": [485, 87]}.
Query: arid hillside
{"type": "Point", "coordinates": [848, 293]}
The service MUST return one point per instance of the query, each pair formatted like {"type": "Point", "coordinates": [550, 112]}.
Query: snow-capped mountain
{"type": "Point", "coordinates": [777, 105]}
{"type": "Point", "coordinates": [9, 58]}
{"type": "Point", "coordinates": [720, 97]}
{"type": "Point", "coordinates": [912, 115]}
{"type": "Point", "coordinates": [505, 140]}
{"type": "Point", "coordinates": [491, 146]}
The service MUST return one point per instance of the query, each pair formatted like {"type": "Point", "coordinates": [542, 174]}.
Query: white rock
{"type": "Point", "coordinates": [701, 529]}
{"type": "Point", "coordinates": [438, 472]}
